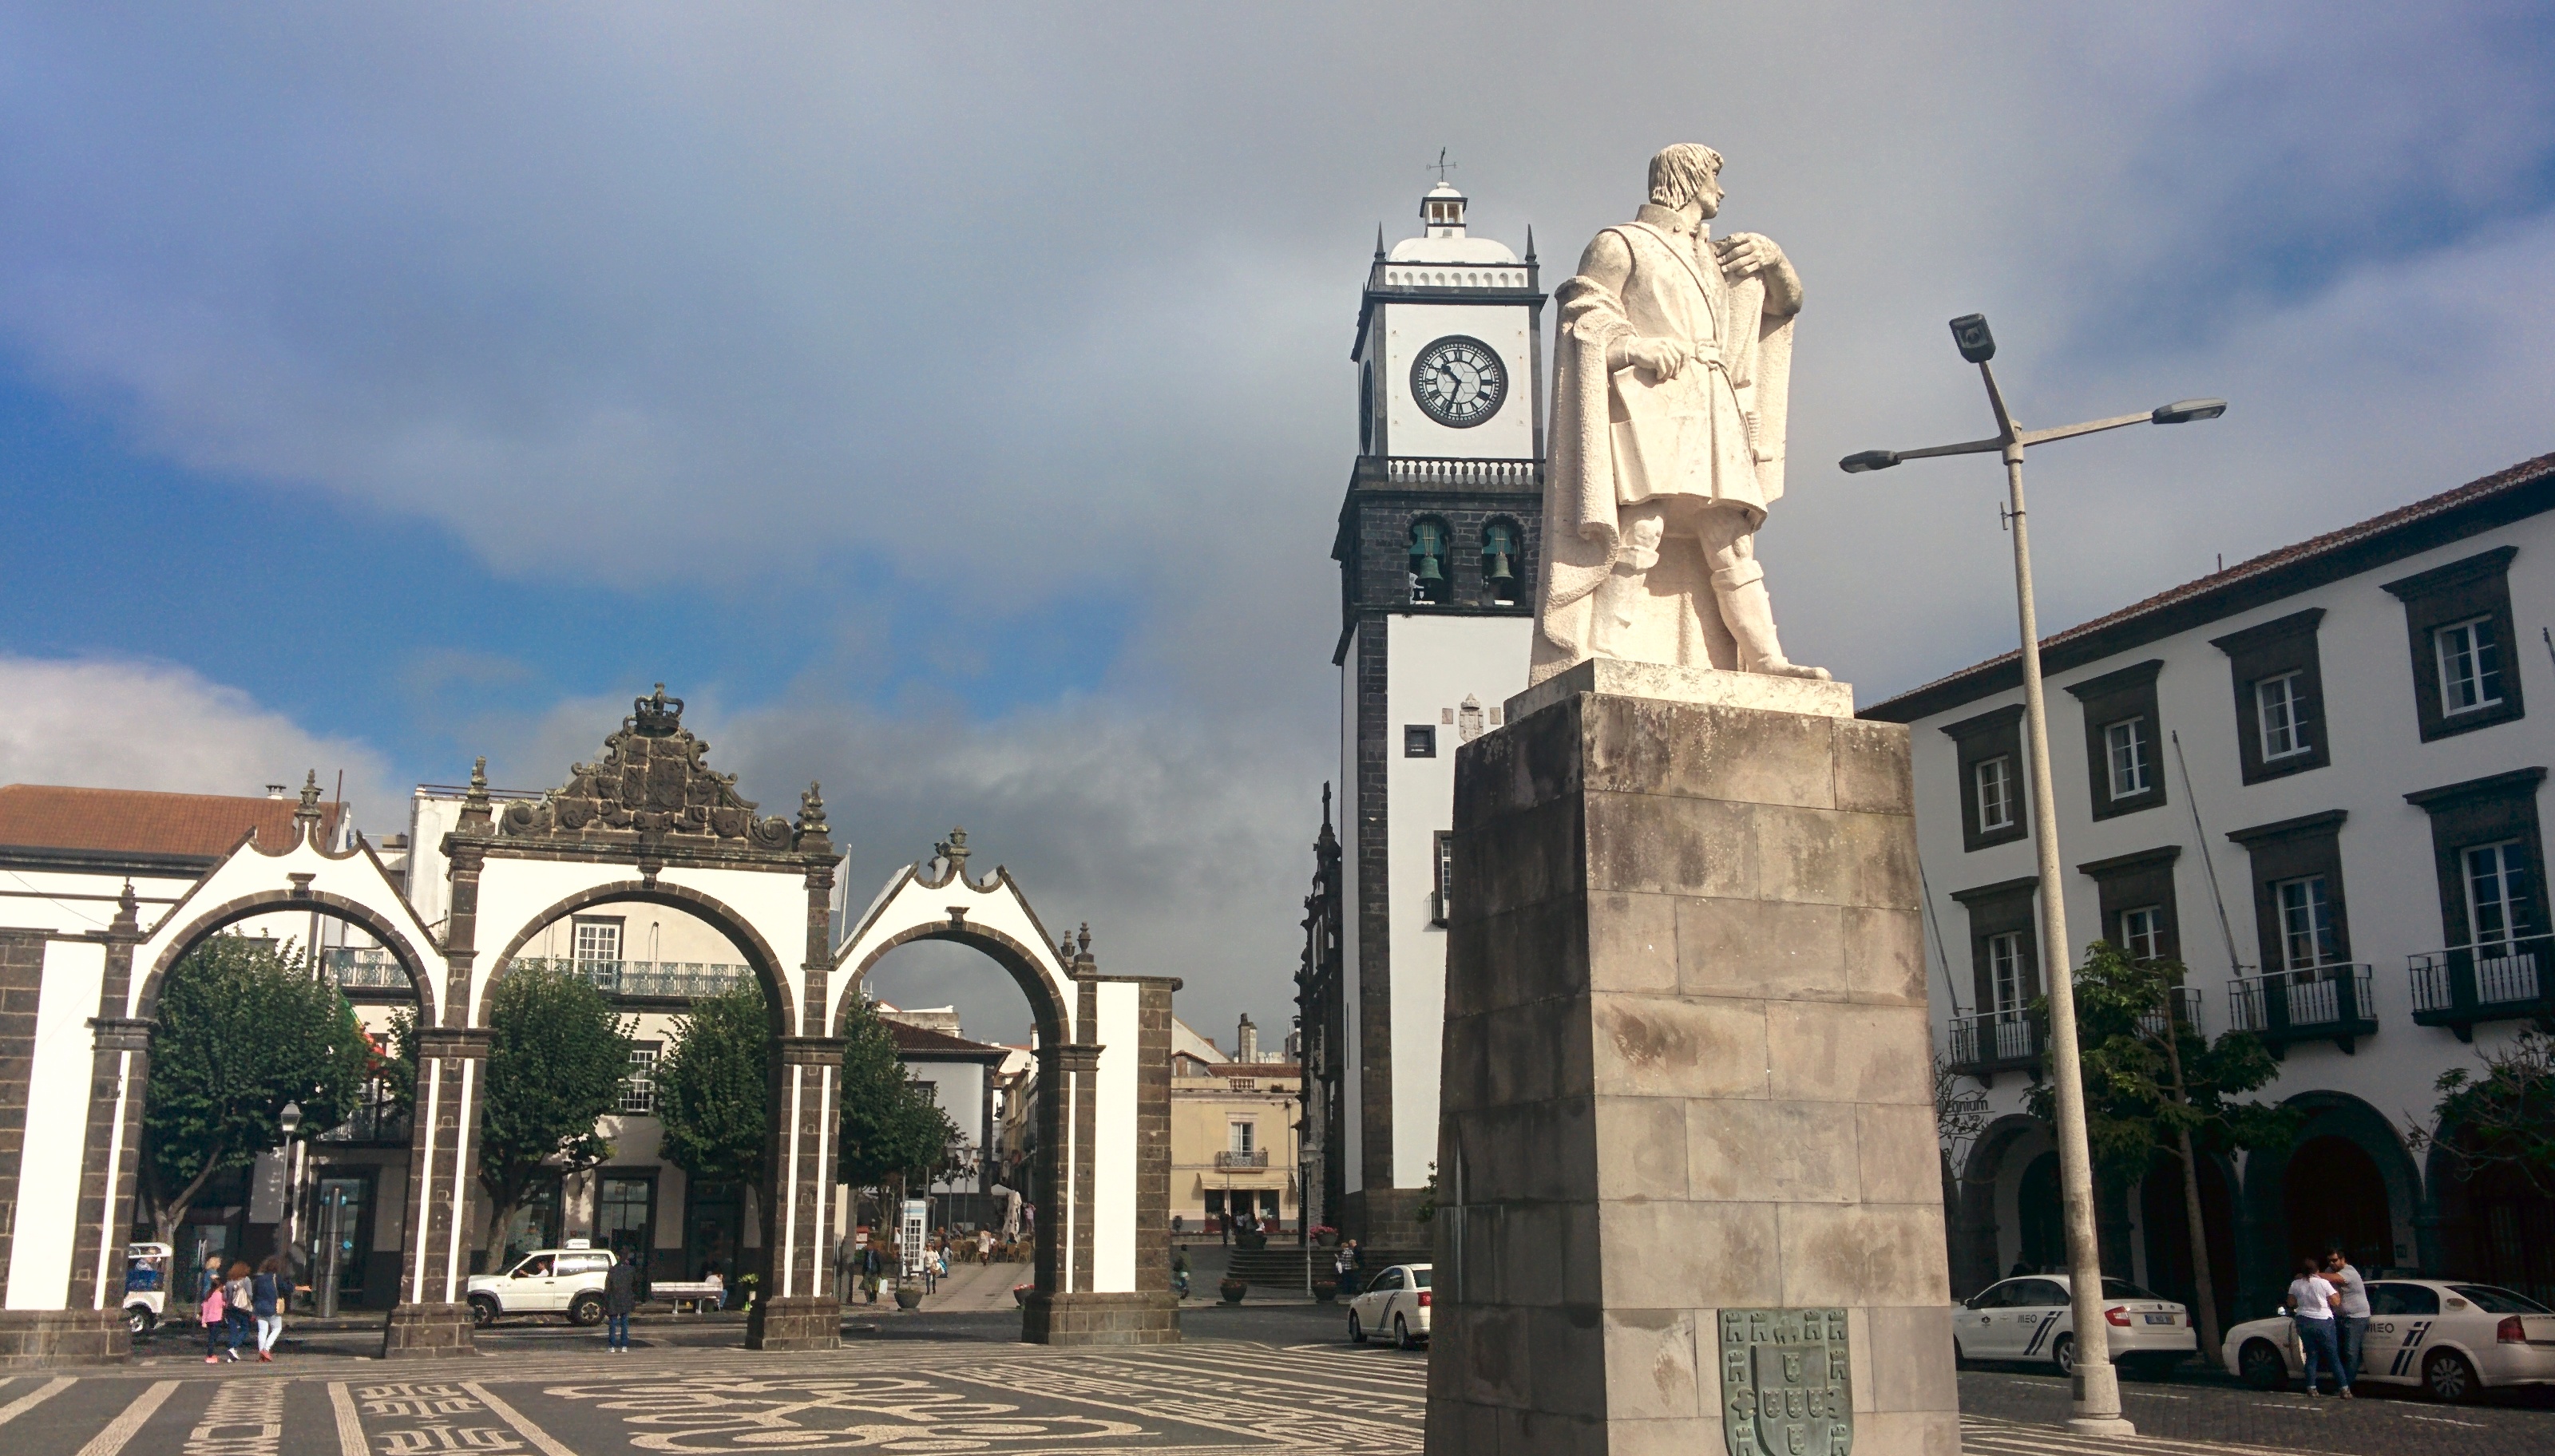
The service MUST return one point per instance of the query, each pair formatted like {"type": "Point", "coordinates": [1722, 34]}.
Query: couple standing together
{"type": "Point", "coordinates": [2328, 1305]}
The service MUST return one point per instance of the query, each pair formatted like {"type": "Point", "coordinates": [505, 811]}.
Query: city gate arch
{"type": "Point", "coordinates": [1104, 1051]}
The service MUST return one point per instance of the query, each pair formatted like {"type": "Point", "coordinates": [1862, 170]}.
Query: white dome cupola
{"type": "Point", "coordinates": [1442, 209]}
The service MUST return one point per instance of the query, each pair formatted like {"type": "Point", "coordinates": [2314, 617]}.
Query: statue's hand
{"type": "Point", "coordinates": [1662, 357]}
{"type": "Point", "coordinates": [1744, 253]}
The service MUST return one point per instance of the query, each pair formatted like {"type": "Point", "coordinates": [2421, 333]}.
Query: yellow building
{"type": "Point", "coordinates": [1234, 1149]}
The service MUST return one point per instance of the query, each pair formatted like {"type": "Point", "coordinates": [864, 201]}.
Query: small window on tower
{"type": "Point", "coordinates": [1419, 741]}
{"type": "Point", "coordinates": [1499, 562]}
{"type": "Point", "coordinates": [1428, 559]}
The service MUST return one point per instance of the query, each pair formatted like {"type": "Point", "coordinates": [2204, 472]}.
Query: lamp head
{"type": "Point", "coordinates": [289, 1120]}
{"type": "Point", "coordinates": [1970, 332]}
{"type": "Point", "coordinates": [1855, 464]}
{"type": "Point", "coordinates": [2184, 412]}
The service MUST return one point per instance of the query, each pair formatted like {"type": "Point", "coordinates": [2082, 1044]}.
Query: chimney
{"type": "Point", "coordinates": [1246, 1041]}
{"type": "Point", "coordinates": [275, 791]}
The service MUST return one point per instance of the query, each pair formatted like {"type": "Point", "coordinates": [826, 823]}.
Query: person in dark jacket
{"type": "Point", "coordinates": [268, 1289]}
{"type": "Point", "coordinates": [620, 1296]}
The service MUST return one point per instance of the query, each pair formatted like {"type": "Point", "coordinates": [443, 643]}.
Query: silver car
{"type": "Point", "coordinates": [1396, 1303]}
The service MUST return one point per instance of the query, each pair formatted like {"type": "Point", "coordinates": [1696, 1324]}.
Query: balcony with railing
{"type": "Point", "coordinates": [1990, 1042]}
{"type": "Point", "coordinates": [358, 968]}
{"type": "Point", "coordinates": [2185, 1004]}
{"type": "Point", "coordinates": [377, 1118]}
{"type": "Point", "coordinates": [1243, 1162]}
{"type": "Point", "coordinates": [2496, 981]}
{"type": "Point", "coordinates": [649, 980]}
{"type": "Point", "coordinates": [2335, 1003]}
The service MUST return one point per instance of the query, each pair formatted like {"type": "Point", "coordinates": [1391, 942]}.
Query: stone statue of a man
{"type": "Point", "coordinates": [1670, 375]}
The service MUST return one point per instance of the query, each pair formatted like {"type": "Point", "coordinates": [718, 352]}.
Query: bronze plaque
{"type": "Point", "coordinates": [1784, 1386]}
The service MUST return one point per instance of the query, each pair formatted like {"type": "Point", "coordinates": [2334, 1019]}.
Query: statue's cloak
{"type": "Point", "coordinates": [1712, 432]}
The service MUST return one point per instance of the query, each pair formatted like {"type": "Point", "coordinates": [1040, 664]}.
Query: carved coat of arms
{"type": "Point", "coordinates": [1784, 1382]}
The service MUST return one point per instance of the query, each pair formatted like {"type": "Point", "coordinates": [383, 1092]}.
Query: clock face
{"type": "Point", "coordinates": [1459, 381]}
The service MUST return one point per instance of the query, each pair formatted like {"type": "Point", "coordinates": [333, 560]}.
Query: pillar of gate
{"type": "Point", "coordinates": [800, 1309]}
{"type": "Point", "coordinates": [433, 1316]}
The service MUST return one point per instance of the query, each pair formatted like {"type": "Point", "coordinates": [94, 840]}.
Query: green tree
{"type": "Point", "coordinates": [557, 1060]}
{"type": "Point", "coordinates": [244, 1029]}
{"type": "Point", "coordinates": [2150, 1096]}
{"type": "Point", "coordinates": [2504, 1118]}
{"type": "Point", "coordinates": [892, 1132]}
{"type": "Point", "coordinates": [711, 1085]}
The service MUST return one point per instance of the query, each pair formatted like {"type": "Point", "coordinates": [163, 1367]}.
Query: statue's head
{"type": "Point", "coordinates": [1688, 171]}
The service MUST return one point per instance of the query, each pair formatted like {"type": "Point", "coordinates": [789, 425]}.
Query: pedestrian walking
{"type": "Point", "coordinates": [2353, 1308]}
{"type": "Point", "coordinates": [984, 1246]}
{"type": "Point", "coordinates": [1181, 1272]}
{"type": "Point", "coordinates": [2312, 1302]}
{"type": "Point", "coordinates": [236, 1304]}
{"type": "Point", "coordinates": [213, 1312]}
{"type": "Point", "coordinates": [620, 1296]}
{"type": "Point", "coordinates": [1344, 1264]}
{"type": "Point", "coordinates": [268, 1290]}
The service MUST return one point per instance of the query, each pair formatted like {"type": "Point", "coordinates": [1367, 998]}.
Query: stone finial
{"type": "Point", "coordinates": [478, 780]}
{"type": "Point", "coordinates": [955, 850]}
{"type": "Point", "coordinates": [128, 911]}
{"type": "Point", "coordinates": [307, 811]}
{"type": "Point", "coordinates": [1083, 960]}
{"type": "Point", "coordinates": [812, 810]}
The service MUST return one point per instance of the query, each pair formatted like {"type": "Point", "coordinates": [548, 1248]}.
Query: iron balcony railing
{"type": "Point", "coordinates": [663, 979]}
{"type": "Point", "coordinates": [2318, 1002]}
{"type": "Point", "coordinates": [2490, 981]}
{"type": "Point", "coordinates": [1249, 1160]}
{"type": "Point", "coordinates": [373, 1121]}
{"type": "Point", "coordinates": [357, 968]}
{"type": "Point", "coordinates": [2186, 1010]}
{"type": "Point", "coordinates": [1998, 1041]}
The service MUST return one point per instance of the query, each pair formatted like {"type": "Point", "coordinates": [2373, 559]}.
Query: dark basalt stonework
{"type": "Point", "coordinates": [1101, 1319]}
{"type": "Point", "coordinates": [794, 1324]}
{"type": "Point", "coordinates": [653, 782]}
{"type": "Point", "coordinates": [40, 1338]}
{"type": "Point", "coordinates": [428, 1332]}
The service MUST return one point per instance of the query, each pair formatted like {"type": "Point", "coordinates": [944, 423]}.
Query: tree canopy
{"type": "Point", "coordinates": [2131, 1112]}
{"type": "Point", "coordinates": [244, 1029]}
{"type": "Point", "coordinates": [711, 1084]}
{"type": "Point", "coordinates": [557, 1060]}
{"type": "Point", "coordinates": [2504, 1119]}
{"type": "Point", "coordinates": [891, 1129]}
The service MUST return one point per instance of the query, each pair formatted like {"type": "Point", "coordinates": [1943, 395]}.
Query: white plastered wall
{"type": "Point", "coordinates": [49, 1174]}
{"type": "Point", "coordinates": [1407, 328]}
{"type": "Point", "coordinates": [1114, 1132]}
{"type": "Point", "coordinates": [1434, 665]}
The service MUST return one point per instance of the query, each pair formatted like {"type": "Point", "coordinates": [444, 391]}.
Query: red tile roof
{"type": "Point", "coordinates": [2245, 585]}
{"type": "Point", "coordinates": [913, 1040]}
{"type": "Point", "coordinates": [137, 821]}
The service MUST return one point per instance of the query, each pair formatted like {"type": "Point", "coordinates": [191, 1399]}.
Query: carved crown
{"type": "Point", "coordinates": [654, 784]}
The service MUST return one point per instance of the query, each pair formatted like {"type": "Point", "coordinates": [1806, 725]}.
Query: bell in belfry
{"type": "Point", "coordinates": [1498, 547]}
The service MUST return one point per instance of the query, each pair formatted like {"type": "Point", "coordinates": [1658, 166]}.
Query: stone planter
{"type": "Point", "coordinates": [1326, 1240]}
{"type": "Point", "coordinates": [1232, 1289]}
{"type": "Point", "coordinates": [909, 1296]}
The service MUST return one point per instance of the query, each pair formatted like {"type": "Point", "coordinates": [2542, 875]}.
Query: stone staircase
{"type": "Point", "coordinates": [1279, 1269]}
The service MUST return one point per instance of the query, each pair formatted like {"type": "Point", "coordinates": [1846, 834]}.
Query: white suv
{"type": "Point", "coordinates": [565, 1282]}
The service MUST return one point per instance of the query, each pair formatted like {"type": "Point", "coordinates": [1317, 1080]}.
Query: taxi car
{"type": "Point", "coordinates": [1396, 1302]}
{"type": "Point", "coordinates": [565, 1282]}
{"type": "Point", "coordinates": [146, 1285]}
{"type": "Point", "coordinates": [2028, 1317]}
{"type": "Point", "coordinates": [2450, 1339]}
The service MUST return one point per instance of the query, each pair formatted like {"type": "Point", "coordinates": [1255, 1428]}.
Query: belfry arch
{"type": "Point", "coordinates": [648, 822]}
{"type": "Point", "coordinates": [1104, 1053]}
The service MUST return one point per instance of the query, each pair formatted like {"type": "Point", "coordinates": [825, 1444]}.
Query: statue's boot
{"type": "Point", "coordinates": [1750, 614]}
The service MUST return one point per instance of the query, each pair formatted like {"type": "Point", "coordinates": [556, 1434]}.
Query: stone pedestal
{"type": "Point", "coordinates": [1101, 1319]}
{"type": "Point", "coordinates": [31, 1339]}
{"type": "Point", "coordinates": [1690, 1193]}
{"type": "Point", "coordinates": [794, 1324]}
{"type": "Point", "coordinates": [428, 1332]}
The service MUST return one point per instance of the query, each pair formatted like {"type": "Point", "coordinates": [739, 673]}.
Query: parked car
{"type": "Point", "coordinates": [2453, 1340]}
{"type": "Point", "coordinates": [2029, 1319]}
{"type": "Point", "coordinates": [146, 1285]}
{"type": "Point", "coordinates": [565, 1282]}
{"type": "Point", "coordinates": [1396, 1300]}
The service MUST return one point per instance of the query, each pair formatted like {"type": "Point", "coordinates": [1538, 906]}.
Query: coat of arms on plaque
{"type": "Point", "coordinates": [1783, 1389]}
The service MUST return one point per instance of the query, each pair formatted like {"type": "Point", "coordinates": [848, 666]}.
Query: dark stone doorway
{"type": "Point", "coordinates": [2039, 1216]}
{"type": "Point", "coordinates": [2333, 1196]}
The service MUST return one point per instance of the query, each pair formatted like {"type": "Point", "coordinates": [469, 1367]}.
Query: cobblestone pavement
{"type": "Point", "coordinates": [961, 1382]}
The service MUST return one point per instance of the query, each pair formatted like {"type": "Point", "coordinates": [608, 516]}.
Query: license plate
{"type": "Point", "coordinates": [2159, 1319]}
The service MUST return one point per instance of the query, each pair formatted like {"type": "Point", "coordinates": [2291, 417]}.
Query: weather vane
{"type": "Point", "coordinates": [1441, 166]}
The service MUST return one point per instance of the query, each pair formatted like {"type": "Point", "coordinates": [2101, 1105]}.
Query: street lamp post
{"type": "Point", "coordinates": [2097, 1384]}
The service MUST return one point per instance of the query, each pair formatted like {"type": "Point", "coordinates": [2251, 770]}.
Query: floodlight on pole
{"type": "Point", "coordinates": [2097, 1383]}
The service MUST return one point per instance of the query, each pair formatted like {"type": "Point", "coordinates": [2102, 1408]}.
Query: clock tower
{"type": "Point", "coordinates": [1437, 551]}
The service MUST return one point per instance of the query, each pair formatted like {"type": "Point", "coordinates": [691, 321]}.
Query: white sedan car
{"type": "Point", "coordinates": [1395, 1302]}
{"type": "Point", "coordinates": [2029, 1319]}
{"type": "Point", "coordinates": [565, 1282]}
{"type": "Point", "coordinates": [2454, 1340]}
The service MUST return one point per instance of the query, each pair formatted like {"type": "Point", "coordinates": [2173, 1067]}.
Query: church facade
{"type": "Point", "coordinates": [1437, 553]}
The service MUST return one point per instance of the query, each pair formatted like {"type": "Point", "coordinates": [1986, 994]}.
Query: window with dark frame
{"type": "Point", "coordinates": [2301, 914]}
{"type": "Point", "coordinates": [2143, 931]}
{"type": "Point", "coordinates": [1419, 741]}
{"type": "Point", "coordinates": [2279, 696]}
{"type": "Point", "coordinates": [2005, 968]}
{"type": "Point", "coordinates": [1439, 900]}
{"type": "Point", "coordinates": [2459, 622]}
{"type": "Point", "coordinates": [2122, 730]}
{"type": "Point", "coordinates": [1994, 809]}
{"type": "Point", "coordinates": [2307, 938]}
{"type": "Point", "coordinates": [2490, 860]}
{"type": "Point", "coordinates": [2135, 896]}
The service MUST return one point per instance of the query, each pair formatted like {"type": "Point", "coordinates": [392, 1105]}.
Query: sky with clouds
{"type": "Point", "coordinates": [953, 403]}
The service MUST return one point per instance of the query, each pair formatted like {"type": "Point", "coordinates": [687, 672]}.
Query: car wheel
{"type": "Point", "coordinates": [1357, 1331]}
{"type": "Point", "coordinates": [2063, 1355]}
{"type": "Point", "coordinates": [1401, 1334]}
{"type": "Point", "coordinates": [585, 1309]}
{"type": "Point", "coordinates": [483, 1310]}
{"type": "Point", "coordinates": [2261, 1365]}
{"type": "Point", "coordinates": [2448, 1378]}
{"type": "Point", "coordinates": [138, 1320]}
